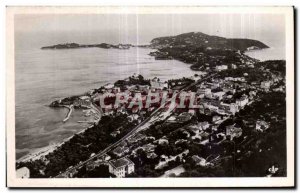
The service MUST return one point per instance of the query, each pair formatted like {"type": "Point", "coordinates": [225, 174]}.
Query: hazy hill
{"type": "Point", "coordinates": [203, 40]}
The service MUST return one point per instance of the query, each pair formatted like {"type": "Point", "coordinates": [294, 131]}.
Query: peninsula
{"type": "Point", "coordinates": [204, 51]}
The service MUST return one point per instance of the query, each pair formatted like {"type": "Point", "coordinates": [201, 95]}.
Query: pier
{"type": "Point", "coordinates": [71, 107]}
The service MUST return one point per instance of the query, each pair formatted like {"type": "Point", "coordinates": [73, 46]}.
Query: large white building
{"type": "Point", "coordinates": [261, 126]}
{"type": "Point", "coordinates": [242, 101]}
{"type": "Point", "coordinates": [121, 167]}
{"type": "Point", "coordinates": [23, 172]}
{"type": "Point", "coordinates": [233, 131]}
{"type": "Point", "coordinates": [265, 85]}
{"type": "Point", "coordinates": [221, 67]}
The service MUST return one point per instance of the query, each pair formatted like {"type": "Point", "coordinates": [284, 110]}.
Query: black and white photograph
{"type": "Point", "coordinates": [150, 97]}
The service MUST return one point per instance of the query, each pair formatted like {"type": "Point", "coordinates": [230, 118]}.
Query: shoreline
{"type": "Point", "coordinates": [43, 151]}
{"type": "Point", "coordinates": [38, 153]}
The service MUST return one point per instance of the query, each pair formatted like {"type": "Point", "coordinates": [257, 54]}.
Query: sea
{"type": "Point", "coordinates": [42, 76]}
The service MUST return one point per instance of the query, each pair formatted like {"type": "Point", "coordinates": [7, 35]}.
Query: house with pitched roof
{"type": "Point", "coordinates": [120, 151]}
{"type": "Point", "coordinates": [261, 126]}
{"type": "Point", "coordinates": [121, 167]}
{"type": "Point", "coordinates": [233, 131]}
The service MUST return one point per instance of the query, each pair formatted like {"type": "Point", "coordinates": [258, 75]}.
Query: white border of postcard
{"type": "Point", "coordinates": [12, 181]}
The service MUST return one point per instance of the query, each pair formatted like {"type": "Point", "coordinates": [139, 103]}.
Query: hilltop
{"type": "Point", "coordinates": [200, 39]}
{"type": "Point", "coordinates": [205, 52]}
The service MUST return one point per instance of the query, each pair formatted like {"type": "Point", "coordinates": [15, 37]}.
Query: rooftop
{"type": "Point", "coordinates": [121, 162]}
{"type": "Point", "coordinates": [120, 150]}
{"type": "Point", "coordinates": [24, 171]}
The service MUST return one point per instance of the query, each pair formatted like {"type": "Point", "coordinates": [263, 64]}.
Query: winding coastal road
{"type": "Point", "coordinates": [143, 125]}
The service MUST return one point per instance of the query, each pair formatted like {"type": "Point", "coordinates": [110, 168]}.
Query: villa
{"type": "Point", "coordinates": [121, 167]}
{"type": "Point", "coordinates": [23, 172]}
{"type": "Point", "coordinates": [120, 151]}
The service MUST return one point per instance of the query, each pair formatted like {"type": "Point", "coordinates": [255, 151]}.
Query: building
{"type": "Point", "coordinates": [23, 172]}
{"type": "Point", "coordinates": [233, 66]}
{"type": "Point", "coordinates": [239, 79]}
{"type": "Point", "coordinates": [242, 101]}
{"type": "Point", "coordinates": [136, 138]}
{"type": "Point", "coordinates": [116, 89]}
{"type": "Point", "coordinates": [252, 93]}
{"type": "Point", "coordinates": [83, 101]}
{"type": "Point", "coordinates": [216, 118]}
{"type": "Point", "coordinates": [133, 117]}
{"type": "Point", "coordinates": [156, 84]}
{"type": "Point", "coordinates": [108, 111]}
{"type": "Point", "coordinates": [144, 88]}
{"type": "Point", "coordinates": [203, 125]}
{"type": "Point", "coordinates": [171, 119]}
{"type": "Point", "coordinates": [214, 127]}
{"type": "Point", "coordinates": [94, 164]}
{"type": "Point", "coordinates": [192, 112]}
{"type": "Point", "coordinates": [115, 133]}
{"type": "Point", "coordinates": [120, 151]}
{"type": "Point", "coordinates": [261, 126]}
{"type": "Point", "coordinates": [199, 160]}
{"type": "Point", "coordinates": [148, 147]}
{"type": "Point", "coordinates": [226, 108]}
{"type": "Point", "coordinates": [218, 95]}
{"type": "Point", "coordinates": [234, 108]}
{"type": "Point", "coordinates": [121, 167]}
{"type": "Point", "coordinates": [161, 141]}
{"type": "Point", "coordinates": [221, 67]}
{"type": "Point", "coordinates": [265, 85]}
{"type": "Point", "coordinates": [109, 86]}
{"type": "Point", "coordinates": [233, 131]}
{"type": "Point", "coordinates": [183, 117]}
{"type": "Point", "coordinates": [196, 77]}
{"type": "Point", "coordinates": [229, 78]}
{"type": "Point", "coordinates": [205, 91]}
{"type": "Point", "coordinates": [151, 155]}
{"type": "Point", "coordinates": [194, 128]}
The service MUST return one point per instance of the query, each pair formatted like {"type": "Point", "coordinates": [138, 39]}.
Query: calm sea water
{"type": "Point", "coordinates": [273, 53]}
{"type": "Point", "coordinates": [43, 76]}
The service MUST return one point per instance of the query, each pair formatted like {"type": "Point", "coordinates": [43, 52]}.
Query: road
{"type": "Point", "coordinates": [144, 124]}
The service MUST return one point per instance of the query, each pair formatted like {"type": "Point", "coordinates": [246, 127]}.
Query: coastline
{"type": "Point", "coordinates": [264, 54]}
{"type": "Point", "coordinates": [39, 152]}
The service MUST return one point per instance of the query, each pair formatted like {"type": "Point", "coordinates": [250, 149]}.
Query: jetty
{"type": "Point", "coordinates": [70, 107]}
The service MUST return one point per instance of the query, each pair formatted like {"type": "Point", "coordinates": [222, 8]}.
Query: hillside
{"type": "Point", "coordinates": [199, 39]}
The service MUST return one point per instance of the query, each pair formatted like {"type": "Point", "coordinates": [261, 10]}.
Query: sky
{"type": "Point", "coordinates": [142, 28]}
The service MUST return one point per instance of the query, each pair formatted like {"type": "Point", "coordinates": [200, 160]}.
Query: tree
{"type": "Point", "coordinates": [101, 171]}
